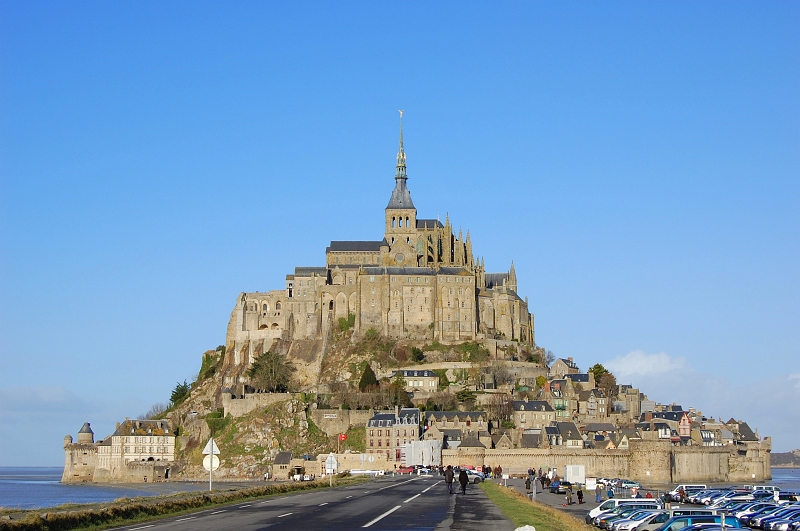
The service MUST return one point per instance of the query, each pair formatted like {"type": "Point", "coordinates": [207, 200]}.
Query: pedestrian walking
{"type": "Point", "coordinates": [569, 495]}
{"type": "Point", "coordinates": [598, 493]}
{"type": "Point", "coordinates": [610, 491]}
{"type": "Point", "coordinates": [448, 478]}
{"type": "Point", "coordinates": [580, 496]}
{"type": "Point", "coordinates": [463, 480]}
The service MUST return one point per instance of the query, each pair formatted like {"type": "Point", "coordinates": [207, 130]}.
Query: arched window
{"type": "Point", "coordinates": [407, 221]}
{"type": "Point", "coordinates": [394, 220]}
{"type": "Point", "coordinates": [278, 306]}
{"type": "Point", "coordinates": [265, 307]}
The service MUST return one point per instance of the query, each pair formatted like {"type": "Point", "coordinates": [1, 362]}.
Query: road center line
{"type": "Point", "coordinates": [321, 504]}
{"type": "Point", "coordinates": [396, 484]}
{"type": "Point", "coordinates": [348, 497]}
{"type": "Point", "coordinates": [381, 517]}
{"type": "Point", "coordinates": [412, 497]}
{"type": "Point", "coordinates": [188, 518]}
{"type": "Point", "coordinates": [143, 527]}
{"type": "Point", "coordinates": [287, 514]}
{"type": "Point", "coordinates": [243, 506]}
{"type": "Point", "coordinates": [429, 488]}
{"type": "Point", "coordinates": [217, 512]}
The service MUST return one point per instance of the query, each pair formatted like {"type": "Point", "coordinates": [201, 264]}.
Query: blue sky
{"type": "Point", "coordinates": [638, 162]}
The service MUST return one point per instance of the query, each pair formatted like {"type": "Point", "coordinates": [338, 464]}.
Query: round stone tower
{"type": "Point", "coordinates": [86, 435]}
{"type": "Point", "coordinates": [67, 440]}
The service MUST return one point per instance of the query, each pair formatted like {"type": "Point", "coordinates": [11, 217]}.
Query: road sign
{"type": "Point", "coordinates": [211, 462]}
{"type": "Point", "coordinates": [211, 447]}
{"type": "Point", "coordinates": [331, 464]}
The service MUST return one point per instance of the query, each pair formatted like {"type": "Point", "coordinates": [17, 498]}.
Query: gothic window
{"type": "Point", "coordinates": [265, 307]}
{"type": "Point", "coordinates": [406, 221]}
{"type": "Point", "coordinates": [408, 241]}
{"type": "Point", "coordinates": [394, 220]}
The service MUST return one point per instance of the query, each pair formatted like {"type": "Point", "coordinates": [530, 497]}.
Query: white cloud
{"type": "Point", "coordinates": [768, 405]}
{"type": "Point", "coordinates": [639, 363]}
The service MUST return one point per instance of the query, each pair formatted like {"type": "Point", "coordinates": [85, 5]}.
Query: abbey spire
{"type": "Point", "coordinates": [401, 197]}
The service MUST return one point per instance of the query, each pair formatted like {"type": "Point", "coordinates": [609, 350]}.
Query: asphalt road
{"type": "Point", "coordinates": [403, 502]}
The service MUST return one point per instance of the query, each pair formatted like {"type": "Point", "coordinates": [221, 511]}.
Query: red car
{"type": "Point", "coordinates": [405, 470]}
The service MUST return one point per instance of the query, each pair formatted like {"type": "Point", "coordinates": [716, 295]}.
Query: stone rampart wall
{"type": "Point", "coordinates": [238, 407]}
{"type": "Point", "coordinates": [649, 462]}
{"type": "Point", "coordinates": [334, 421]}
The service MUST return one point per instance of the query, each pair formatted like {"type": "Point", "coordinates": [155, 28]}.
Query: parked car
{"type": "Point", "coordinates": [405, 470]}
{"type": "Point", "coordinates": [628, 484]}
{"type": "Point", "coordinates": [474, 477]}
{"type": "Point", "coordinates": [559, 487]}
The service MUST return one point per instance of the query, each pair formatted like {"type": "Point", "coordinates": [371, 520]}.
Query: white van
{"type": "Point", "coordinates": [673, 494]}
{"type": "Point", "coordinates": [770, 488]}
{"type": "Point", "coordinates": [616, 502]}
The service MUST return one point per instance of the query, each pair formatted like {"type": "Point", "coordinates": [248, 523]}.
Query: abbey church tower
{"type": "Point", "coordinates": [401, 216]}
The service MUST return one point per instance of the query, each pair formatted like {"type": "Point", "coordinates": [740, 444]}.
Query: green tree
{"type": "Point", "coordinates": [540, 381]}
{"type": "Point", "coordinates": [180, 393]}
{"type": "Point", "coordinates": [368, 379]}
{"type": "Point", "coordinates": [598, 370]}
{"type": "Point", "coordinates": [271, 372]}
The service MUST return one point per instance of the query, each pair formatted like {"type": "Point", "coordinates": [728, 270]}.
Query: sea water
{"type": "Point", "coordinates": [39, 487]}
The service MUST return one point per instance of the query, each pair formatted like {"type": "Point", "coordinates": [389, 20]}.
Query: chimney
{"type": "Point", "coordinates": [117, 425]}
{"type": "Point", "coordinates": [570, 358]}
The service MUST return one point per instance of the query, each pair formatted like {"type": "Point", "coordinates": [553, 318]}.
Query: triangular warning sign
{"type": "Point", "coordinates": [211, 448]}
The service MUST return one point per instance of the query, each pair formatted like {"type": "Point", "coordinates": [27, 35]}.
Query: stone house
{"type": "Point", "coordinates": [532, 413]}
{"type": "Point", "coordinates": [465, 421]}
{"type": "Point", "coordinates": [418, 380]}
{"type": "Point", "coordinates": [386, 433]}
{"type": "Point", "coordinates": [592, 404]}
{"type": "Point", "coordinates": [561, 367]}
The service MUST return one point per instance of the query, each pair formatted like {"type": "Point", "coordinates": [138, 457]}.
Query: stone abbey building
{"type": "Point", "coordinates": [420, 281]}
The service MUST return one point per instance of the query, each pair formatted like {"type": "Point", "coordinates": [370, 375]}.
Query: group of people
{"type": "Point", "coordinates": [450, 474]}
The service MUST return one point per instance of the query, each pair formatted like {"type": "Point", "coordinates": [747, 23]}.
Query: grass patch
{"type": "Point", "coordinates": [522, 511]}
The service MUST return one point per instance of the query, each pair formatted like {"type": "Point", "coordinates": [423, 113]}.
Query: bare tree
{"type": "Point", "coordinates": [156, 411]}
{"type": "Point", "coordinates": [549, 358]}
{"type": "Point", "coordinates": [500, 407]}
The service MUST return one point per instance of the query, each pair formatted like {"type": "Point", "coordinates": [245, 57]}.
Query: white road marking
{"type": "Point", "coordinates": [396, 484]}
{"type": "Point", "coordinates": [287, 514]}
{"type": "Point", "coordinates": [381, 517]}
{"type": "Point", "coordinates": [217, 512]}
{"type": "Point", "coordinates": [183, 519]}
{"type": "Point", "coordinates": [412, 497]}
{"type": "Point", "coordinates": [243, 506]}
{"type": "Point", "coordinates": [429, 488]}
{"type": "Point", "coordinates": [321, 504]}
{"type": "Point", "coordinates": [143, 527]}
{"type": "Point", "coordinates": [348, 496]}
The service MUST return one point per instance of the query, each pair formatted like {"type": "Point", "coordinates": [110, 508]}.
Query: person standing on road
{"type": "Point", "coordinates": [598, 493]}
{"type": "Point", "coordinates": [448, 478]}
{"type": "Point", "coordinates": [528, 486]}
{"type": "Point", "coordinates": [580, 495]}
{"type": "Point", "coordinates": [463, 479]}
